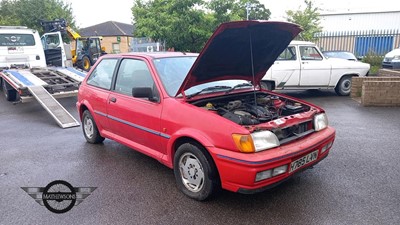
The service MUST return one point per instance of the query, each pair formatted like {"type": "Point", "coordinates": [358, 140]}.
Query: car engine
{"type": "Point", "coordinates": [244, 110]}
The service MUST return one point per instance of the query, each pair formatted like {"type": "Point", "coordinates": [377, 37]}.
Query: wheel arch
{"type": "Point", "coordinates": [346, 75]}
{"type": "Point", "coordinates": [187, 139]}
{"type": "Point", "coordinates": [82, 107]}
{"type": "Point", "coordinates": [175, 143]}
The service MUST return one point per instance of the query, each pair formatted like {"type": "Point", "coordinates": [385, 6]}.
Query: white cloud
{"type": "Point", "coordinates": [89, 12]}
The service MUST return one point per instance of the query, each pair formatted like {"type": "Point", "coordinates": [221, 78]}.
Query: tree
{"type": "Point", "coordinates": [30, 12]}
{"type": "Point", "coordinates": [308, 19]}
{"type": "Point", "coordinates": [181, 23]}
{"type": "Point", "coordinates": [187, 24]}
{"type": "Point", "coordinates": [230, 10]}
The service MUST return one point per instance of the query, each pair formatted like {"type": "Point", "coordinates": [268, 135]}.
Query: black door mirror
{"type": "Point", "coordinates": [144, 92]}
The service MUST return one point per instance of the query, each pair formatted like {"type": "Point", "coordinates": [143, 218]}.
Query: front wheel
{"type": "Point", "coordinates": [344, 86]}
{"type": "Point", "coordinates": [195, 173]}
{"type": "Point", "coordinates": [90, 130]}
{"type": "Point", "coordinates": [85, 63]}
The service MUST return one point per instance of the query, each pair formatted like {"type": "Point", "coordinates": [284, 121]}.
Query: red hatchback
{"type": "Point", "coordinates": [204, 115]}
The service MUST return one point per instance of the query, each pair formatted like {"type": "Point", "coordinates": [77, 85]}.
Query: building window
{"type": "Point", "coordinates": [116, 48]}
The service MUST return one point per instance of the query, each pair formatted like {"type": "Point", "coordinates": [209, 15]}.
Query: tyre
{"type": "Point", "coordinates": [90, 130]}
{"type": "Point", "coordinates": [195, 172]}
{"type": "Point", "coordinates": [85, 63]}
{"type": "Point", "coordinates": [9, 92]}
{"type": "Point", "coordinates": [266, 85]}
{"type": "Point", "coordinates": [344, 86]}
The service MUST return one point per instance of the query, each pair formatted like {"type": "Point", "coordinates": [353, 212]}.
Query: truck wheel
{"type": "Point", "coordinates": [195, 173]}
{"type": "Point", "coordinates": [9, 92]}
{"type": "Point", "coordinates": [344, 86]}
{"type": "Point", "coordinates": [90, 130]}
{"type": "Point", "coordinates": [266, 85]}
{"type": "Point", "coordinates": [85, 63]}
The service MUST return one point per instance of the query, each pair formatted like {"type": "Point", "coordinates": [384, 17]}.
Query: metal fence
{"type": "Point", "coordinates": [361, 43]}
{"type": "Point", "coordinates": [146, 45]}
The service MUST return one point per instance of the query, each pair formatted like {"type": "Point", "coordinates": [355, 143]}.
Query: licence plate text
{"type": "Point", "coordinates": [15, 50]}
{"type": "Point", "coordinates": [303, 161]}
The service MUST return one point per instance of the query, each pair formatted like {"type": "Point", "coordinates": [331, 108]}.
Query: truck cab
{"type": "Point", "coordinates": [20, 47]}
{"type": "Point", "coordinates": [302, 66]}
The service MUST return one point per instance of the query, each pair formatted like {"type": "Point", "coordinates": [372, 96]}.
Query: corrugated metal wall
{"type": "Point", "coordinates": [360, 32]}
{"type": "Point", "coordinates": [360, 42]}
{"type": "Point", "coordinates": [360, 21]}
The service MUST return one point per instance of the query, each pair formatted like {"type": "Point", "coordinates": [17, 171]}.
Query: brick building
{"type": "Point", "coordinates": [116, 37]}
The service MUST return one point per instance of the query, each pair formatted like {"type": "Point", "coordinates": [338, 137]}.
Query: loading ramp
{"type": "Point", "coordinates": [63, 118]}
{"type": "Point", "coordinates": [45, 85]}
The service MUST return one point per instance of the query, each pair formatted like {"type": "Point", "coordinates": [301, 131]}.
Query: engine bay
{"type": "Point", "coordinates": [252, 108]}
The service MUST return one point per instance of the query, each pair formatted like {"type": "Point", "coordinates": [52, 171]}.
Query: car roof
{"type": "Point", "coordinates": [154, 55]}
{"type": "Point", "coordinates": [301, 43]}
{"type": "Point", "coordinates": [16, 29]}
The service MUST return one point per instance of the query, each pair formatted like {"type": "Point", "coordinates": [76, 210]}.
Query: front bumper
{"type": "Point", "coordinates": [391, 65]}
{"type": "Point", "coordinates": [238, 171]}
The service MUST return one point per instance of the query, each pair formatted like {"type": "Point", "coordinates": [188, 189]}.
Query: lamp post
{"type": "Point", "coordinates": [249, 7]}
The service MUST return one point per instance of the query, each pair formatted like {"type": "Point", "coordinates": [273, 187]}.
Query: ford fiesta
{"type": "Point", "coordinates": [205, 115]}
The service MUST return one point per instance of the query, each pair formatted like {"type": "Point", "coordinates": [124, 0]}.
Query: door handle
{"type": "Point", "coordinates": [304, 62]}
{"type": "Point", "coordinates": [112, 99]}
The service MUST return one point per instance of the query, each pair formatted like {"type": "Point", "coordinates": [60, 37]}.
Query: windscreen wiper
{"type": "Point", "coordinates": [239, 86]}
{"type": "Point", "coordinates": [208, 89]}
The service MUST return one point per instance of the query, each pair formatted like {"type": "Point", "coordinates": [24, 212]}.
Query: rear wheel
{"type": "Point", "coordinates": [344, 86]}
{"type": "Point", "coordinates": [195, 173]}
{"type": "Point", "coordinates": [9, 92]}
{"type": "Point", "coordinates": [90, 130]}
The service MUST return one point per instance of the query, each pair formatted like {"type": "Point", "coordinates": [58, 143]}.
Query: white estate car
{"type": "Point", "coordinates": [302, 66]}
{"type": "Point", "coordinates": [20, 47]}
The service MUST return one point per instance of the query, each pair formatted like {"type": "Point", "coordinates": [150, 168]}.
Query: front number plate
{"type": "Point", "coordinates": [295, 165]}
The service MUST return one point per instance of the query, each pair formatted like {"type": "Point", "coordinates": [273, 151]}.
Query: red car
{"type": "Point", "coordinates": [204, 115]}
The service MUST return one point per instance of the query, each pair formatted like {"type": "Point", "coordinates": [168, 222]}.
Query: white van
{"type": "Point", "coordinates": [20, 47]}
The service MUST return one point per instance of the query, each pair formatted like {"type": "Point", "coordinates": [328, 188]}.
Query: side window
{"type": "Point", "coordinates": [288, 54]}
{"type": "Point", "coordinates": [134, 74]}
{"type": "Point", "coordinates": [102, 75]}
{"type": "Point", "coordinates": [309, 53]}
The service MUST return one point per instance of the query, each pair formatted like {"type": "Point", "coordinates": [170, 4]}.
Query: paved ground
{"type": "Point", "coordinates": [359, 182]}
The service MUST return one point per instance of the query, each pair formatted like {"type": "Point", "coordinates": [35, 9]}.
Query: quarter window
{"type": "Point", "coordinates": [102, 74]}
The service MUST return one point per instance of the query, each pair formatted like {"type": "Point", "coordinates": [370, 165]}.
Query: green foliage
{"type": "Point", "coordinates": [308, 19]}
{"type": "Point", "coordinates": [30, 12]}
{"type": "Point", "coordinates": [186, 25]}
{"type": "Point", "coordinates": [231, 10]}
{"type": "Point", "coordinates": [375, 60]}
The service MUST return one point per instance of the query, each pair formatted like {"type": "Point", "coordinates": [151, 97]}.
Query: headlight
{"type": "Point", "coordinates": [320, 121]}
{"type": "Point", "coordinates": [396, 57]}
{"type": "Point", "coordinates": [264, 140]}
{"type": "Point", "coordinates": [257, 141]}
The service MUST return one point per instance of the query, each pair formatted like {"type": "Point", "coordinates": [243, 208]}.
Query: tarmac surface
{"type": "Point", "coordinates": [358, 183]}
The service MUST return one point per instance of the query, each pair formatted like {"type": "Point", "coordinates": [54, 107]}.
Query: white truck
{"type": "Point", "coordinates": [24, 74]}
{"type": "Point", "coordinates": [302, 66]}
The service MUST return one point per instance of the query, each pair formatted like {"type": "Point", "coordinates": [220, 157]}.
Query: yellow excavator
{"type": "Point", "coordinates": [87, 49]}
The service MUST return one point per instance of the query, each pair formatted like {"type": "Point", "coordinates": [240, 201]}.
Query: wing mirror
{"type": "Point", "coordinates": [144, 92]}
